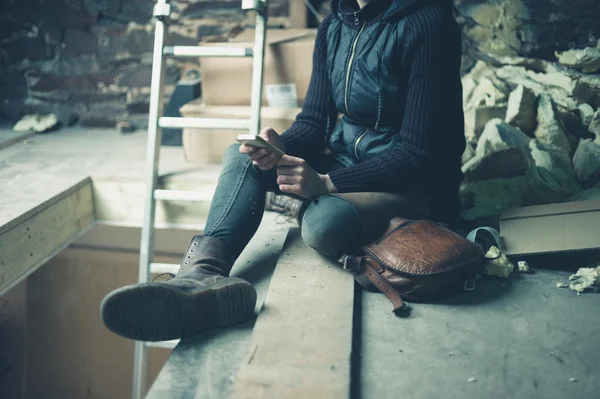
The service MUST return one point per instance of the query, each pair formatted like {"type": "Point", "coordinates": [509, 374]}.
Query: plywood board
{"type": "Point", "coordinates": [70, 354]}
{"type": "Point", "coordinates": [9, 137]}
{"type": "Point", "coordinates": [302, 340]}
{"type": "Point", "coordinates": [573, 226]}
{"type": "Point", "coordinates": [204, 366]}
{"type": "Point", "coordinates": [38, 235]}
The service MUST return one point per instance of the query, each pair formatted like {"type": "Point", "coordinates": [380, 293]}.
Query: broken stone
{"type": "Point", "coordinates": [555, 180]}
{"type": "Point", "coordinates": [37, 123]}
{"type": "Point", "coordinates": [477, 118]}
{"type": "Point", "coordinates": [586, 195]}
{"type": "Point", "coordinates": [498, 135]}
{"type": "Point", "coordinates": [497, 264]}
{"type": "Point", "coordinates": [468, 153]}
{"type": "Point", "coordinates": [555, 84]}
{"type": "Point", "coordinates": [472, 379]}
{"type": "Point", "coordinates": [125, 127]}
{"type": "Point", "coordinates": [524, 267]}
{"type": "Point", "coordinates": [521, 110]}
{"type": "Point", "coordinates": [490, 197]}
{"type": "Point", "coordinates": [587, 59]}
{"type": "Point", "coordinates": [550, 130]}
{"type": "Point", "coordinates": [562, 285]}
{"type": "Point", "coordinates": [594, 125]}
{"type": "Point", "coordinates": [502, 164]}
{"type": "Point", "coordinates": [586, 113]}
{"type": "Point", "coordinates": [586, 162]}
{"type": "Point", "coordinates": [585, 278]}
{"type": "Point", "coordinates": [488, 92]}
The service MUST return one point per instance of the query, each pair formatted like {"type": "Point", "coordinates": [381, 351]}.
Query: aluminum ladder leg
{"type": "Point", "coordinates": [162, 12]}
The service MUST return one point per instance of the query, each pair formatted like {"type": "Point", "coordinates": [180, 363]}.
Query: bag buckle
{"type": "Point", "coordinates": [470, 284]}
{"type": "Point", "coordinates": [344, 261]}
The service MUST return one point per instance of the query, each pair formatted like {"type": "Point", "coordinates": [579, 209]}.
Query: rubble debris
{"type": "Point", "coordinates": [477, 118]}
{"type": "Point", "coordinates": [573, 379]}
{"type": "Point", "coordinates": [557, 85]}
{"type": "Point", "coordinates": [125, 127]}
{"type": "Point", "coordinates": [491, 197]}
{"type": "Point", "coordinates": [481, 87]}
{"type": "Point", "coordinates": [586, 195]}
{"type": "Point", "coordinates": [472, 379]}
{"type": "Point", "coordinates": [585, 278]}
{"type": "Point", "coordinates": [586, 113]}
{"type": "Point", "coordinates": [521, 110]}
{"type": "Point", "coordinates": [555, 180]}
{"type": "Point", "coordinates": [37, 123]}
{"type": "Point", "coordinates": [524, 267]}
{"type": "Point", "coordinates": [594, 125]}
{"type": "Point", "coordinates": [586, 162]}
{"type": "Point", "coordinates": [550, 129]}
{"type": "Point", "coordinates": [502, 164]}
{"type": "Point", "coordinates": [498, 135]}
{"type": "Point", "coordinates": [562, 285]}
{"type": "Point", "coordinates": [497, 264]}
{"type": "Point", "coordinates": [468, 153]}
{"type": "Point", "coordinates": [586, 59]}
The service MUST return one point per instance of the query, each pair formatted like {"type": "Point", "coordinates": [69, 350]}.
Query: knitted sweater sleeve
{"type": "Point", "coordinates": [424, 60]}
{"type": "Point", "coordinates": [306, 136]}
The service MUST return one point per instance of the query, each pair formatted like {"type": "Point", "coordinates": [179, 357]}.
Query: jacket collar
{"type": "Point", "coordinates": [351, 13]}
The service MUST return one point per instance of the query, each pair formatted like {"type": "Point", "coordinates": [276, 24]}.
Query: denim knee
{"type": "Point", "coordinates": [331, 226]}
{"type": "Point", "coordinates": [232, 155]}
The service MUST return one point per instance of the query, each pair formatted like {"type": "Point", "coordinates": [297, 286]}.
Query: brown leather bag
{"type": "Point", "coordinates": [419, 260]}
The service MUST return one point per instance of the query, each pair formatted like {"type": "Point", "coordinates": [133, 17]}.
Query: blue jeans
{"type": "Point", "coordinates": [331, 224]}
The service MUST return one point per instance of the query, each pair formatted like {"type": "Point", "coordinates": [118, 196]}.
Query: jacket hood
{"type": "Point", "coordinates": [395, 8]}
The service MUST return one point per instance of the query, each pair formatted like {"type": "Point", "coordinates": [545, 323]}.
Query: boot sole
{"type": "Point", "coordinates": [158, 312]}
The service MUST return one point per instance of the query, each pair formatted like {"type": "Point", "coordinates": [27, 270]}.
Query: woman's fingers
{"type": "Point", "coordinates": [247, 149]}
{"type": "Point", "coordinates": [259, 153]}
{"type": "Point", "coordinates": [288, 180]}
{"type": "Point", "coordinates": [288, 170]}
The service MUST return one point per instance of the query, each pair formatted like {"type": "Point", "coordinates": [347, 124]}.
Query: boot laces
{"type": "Point", "coordinates": [171, 276]}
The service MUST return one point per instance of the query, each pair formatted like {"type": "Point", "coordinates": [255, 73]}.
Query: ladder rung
{"type": "Point", "coordinates": [159, 268]}
{"type": "Point", "coordinates": [204, 123]}
{"type": "Point", "coordinates": [182, 195]}
{"type": "Point", "coordinates": [208, 51]}
{"type": "Point", "coordinates": [163, 344]}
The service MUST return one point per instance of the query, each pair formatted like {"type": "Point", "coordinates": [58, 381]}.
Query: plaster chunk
{"type": "Point", "coordinates": [521, 110]}
{"type": "Point", "coordinates": [497, 264]}
{"type": "Point", "coordinates": [585, 278]}
{"type": "Point", "coordinates": [36, 123]}
{"type": "Point", "coordinates": [524, 267]}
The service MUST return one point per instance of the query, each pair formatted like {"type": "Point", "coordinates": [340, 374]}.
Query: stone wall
{"type": "Point", "coordinates": [90, 60]}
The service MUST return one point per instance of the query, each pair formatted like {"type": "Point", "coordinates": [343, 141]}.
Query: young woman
{"type": "Point", "coordinates": [392, 69]}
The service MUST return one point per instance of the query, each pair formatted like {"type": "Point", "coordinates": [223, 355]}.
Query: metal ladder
{"type": "Point", "coordinates": [162, 12]}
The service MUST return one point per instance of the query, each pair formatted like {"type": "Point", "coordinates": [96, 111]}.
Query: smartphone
{"type": "Point", "coordinates": [258, 142]}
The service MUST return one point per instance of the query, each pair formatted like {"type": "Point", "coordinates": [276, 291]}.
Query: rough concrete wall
{"type": "Point", "coordinates": [92, 58]}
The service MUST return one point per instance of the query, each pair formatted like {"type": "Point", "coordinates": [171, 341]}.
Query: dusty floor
{"type": "Point", "coordinates": [515, 338]}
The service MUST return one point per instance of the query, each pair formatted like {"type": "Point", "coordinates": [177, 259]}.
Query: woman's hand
{"type": "Point", "coordinates": [262, 157]}
{"type": "Point", "coordinates": [296, 176]}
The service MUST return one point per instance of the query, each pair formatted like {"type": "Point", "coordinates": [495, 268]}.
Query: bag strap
{"type": "Point", "coordinates": [363, 270]}
{"type": "Point", "coordinates": [485, 237]}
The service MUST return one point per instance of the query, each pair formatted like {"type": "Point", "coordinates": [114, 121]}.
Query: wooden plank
{"type": "Point", "coordinates": [302, 340]}
{"type": "Point", "coordinates": [43, 232]}
{"type": "Point", "coordinates": [203, 366]}
{"type": "Point", "coordinates": [8, 137]}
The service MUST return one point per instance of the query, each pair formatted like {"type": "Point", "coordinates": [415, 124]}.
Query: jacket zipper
{"type": "Point", "coordinates": [361, 135]}
{"type": "Point", "coordinates": [356, 21]}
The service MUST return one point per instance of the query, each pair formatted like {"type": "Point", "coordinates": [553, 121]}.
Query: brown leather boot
{"type": "Point", "coordinates": [200, 297]}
